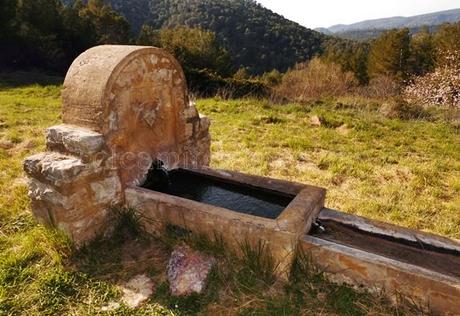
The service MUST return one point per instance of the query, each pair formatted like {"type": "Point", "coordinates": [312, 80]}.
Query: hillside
{"type": "Point", "coordinates": [436, 18]}
{"type": "Point", "coordinates": [256, 37]}
{"type": "Point", "coordinates": [372, 28]}
{"type": "Point", "coordinates": [367, 34]}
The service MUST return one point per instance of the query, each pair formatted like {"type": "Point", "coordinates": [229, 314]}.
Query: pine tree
{"type": "Point", "coordinates": [389, 55]}
{"type": "Point", "coordinates": [110, 27]}
{"type": "Point", "coordinates": [422, 53]}
{"type": "Point", "coordinates": [447, 41]}
{"type": "Point", "coordinates": [148, 36]}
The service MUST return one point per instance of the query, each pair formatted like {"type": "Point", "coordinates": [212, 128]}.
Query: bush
{"type": "Point", "coordinates": [380, 87]}
{"type": "Point", "coordinates": [315, 80]}
{"type": "Point", "coordinates": [272, 78]}
{"type": "Point", "coordinates": [441, 87]}
{"type": "Point", "coordinates": [401, 109]}
{"type": "Point", "coordinates": [207, 84]}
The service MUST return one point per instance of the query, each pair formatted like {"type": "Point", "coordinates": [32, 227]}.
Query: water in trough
{"type": "Point", "coordinates": [211, 190]}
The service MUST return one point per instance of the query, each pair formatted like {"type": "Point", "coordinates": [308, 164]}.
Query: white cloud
{"type": "Point", "coordinates": [325, 13]}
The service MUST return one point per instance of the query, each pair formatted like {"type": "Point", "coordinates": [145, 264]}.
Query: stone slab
{"type": "Point", "coordinates": [74, 140]}
{"type": "Point", "coordinates": [343, 264]}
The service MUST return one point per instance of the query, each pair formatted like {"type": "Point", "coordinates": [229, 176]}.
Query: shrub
{"type": "Point", "coordinates": [315, 80]}
{"type": "Point", "coordinates": [401, 109]}
{"type": "Point", "coordinates": [380, 87]}
{"type": "Point", "coordinates": [206, 84]}
{"type": "Point", "coordinates": [441, 87]}
{"type": "Point", "coordinates": [271, 78]}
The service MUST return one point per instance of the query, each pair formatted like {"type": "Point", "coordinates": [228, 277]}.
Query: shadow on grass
{"type": "Point", "coordinates": [19, 79]}
{"type": "Point", "coordinates": [123, 253]}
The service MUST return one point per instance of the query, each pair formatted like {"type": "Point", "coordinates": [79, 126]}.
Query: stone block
{"type": "Point", "coordinates": [189, 130]}
{"type": "Point", "coordinates": [205, 123]}
{"type": "Point", "coordinates": [74, 140]}
{"type": "Point", "coordinates": [96, 222]}
{"type": "Point", "coordinates": [51, 207]}
{"type": "Point", "coordinates": [48, 195]}
{"type": "Point", "coordinates": [107, 191]}
{"type": "Point", "coordinates": [190, 112]}
{"type": "Point", "coordinates": [54, 167]}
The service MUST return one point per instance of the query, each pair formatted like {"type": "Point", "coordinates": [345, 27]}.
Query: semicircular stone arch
{"type": "Point", "coordinates": [136, 97]}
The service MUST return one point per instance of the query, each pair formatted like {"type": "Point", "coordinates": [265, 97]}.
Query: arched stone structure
{"type": "Point", "coordinates": [123, 106]}
{"type": "Point", "coordinates": [136, 97]}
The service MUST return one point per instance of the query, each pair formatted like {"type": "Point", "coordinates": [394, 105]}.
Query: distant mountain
{"type": "Point", "coordinates": [375, 26]}
{"type": "Point", "coordinates": [367, 34]}
{"type": "Point", "coordinates": [256, 37]}
{"type": "Point", "coordinates": [324, 30]}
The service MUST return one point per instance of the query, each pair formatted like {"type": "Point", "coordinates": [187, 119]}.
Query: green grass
{"type": "Point", "coordinates": [405, 172]}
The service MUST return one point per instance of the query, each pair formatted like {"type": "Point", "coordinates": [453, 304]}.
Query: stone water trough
{"type": "Point", "coordinates": [131, 138]}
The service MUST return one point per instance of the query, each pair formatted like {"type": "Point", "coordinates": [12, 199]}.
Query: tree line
{"type": "Point", "coordinates": [46, 34]}
{"type": "Point", "coordinates": [257, 39]}
{"type": "Point", "coordinates": [397, 54]}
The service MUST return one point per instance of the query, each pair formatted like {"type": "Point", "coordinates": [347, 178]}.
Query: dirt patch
{"type": "Point", "coordinates": [139, 257]}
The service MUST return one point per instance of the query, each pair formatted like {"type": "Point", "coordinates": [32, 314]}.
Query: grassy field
{"type": "Point", "coordinates": [404, 172]}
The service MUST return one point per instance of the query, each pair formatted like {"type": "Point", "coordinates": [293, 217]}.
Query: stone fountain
{"type": "Point", "coordinates": [126, 108]}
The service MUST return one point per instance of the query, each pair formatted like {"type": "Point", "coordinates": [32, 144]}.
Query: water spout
{"type": "Point", "coordinates": [158, 176]}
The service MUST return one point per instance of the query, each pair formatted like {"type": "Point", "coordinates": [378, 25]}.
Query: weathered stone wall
{"type": "Point", "coordinates": [431, 291]}
{"type": "Point", "coordinates": [123, 107]}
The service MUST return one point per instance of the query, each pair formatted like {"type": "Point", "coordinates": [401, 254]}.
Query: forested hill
{"type": "Point", "coordinates": [255, 37]}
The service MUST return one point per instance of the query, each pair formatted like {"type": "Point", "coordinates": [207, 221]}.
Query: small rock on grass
{"type": "Point", "coordinates": [137, 290]}
{"type": "Point", "coordinates": [343, 130]}
{"type": "Point", "coordinates": [316, 120]}
{"type": "Point", "coordinates": [188, 271]}
{"type": "Point", "coordinates": [6, 144]}
{"type": "Point", "coordinates": [112, 306]}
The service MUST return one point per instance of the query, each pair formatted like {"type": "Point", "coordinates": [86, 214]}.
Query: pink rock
{"type": "Point", "coordinates": [188, 271]}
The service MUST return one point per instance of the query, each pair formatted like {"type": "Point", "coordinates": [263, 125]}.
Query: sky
{"type": "Point", "coordinates": [325, 13]}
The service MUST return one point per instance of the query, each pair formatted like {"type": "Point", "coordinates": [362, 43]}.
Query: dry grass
{"type": "Point", "coordinates": [315, 80]}
{"type": "Point", "coordinates": [318, 79]}
{"type": "Point", "coordinates": [381, 87]}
